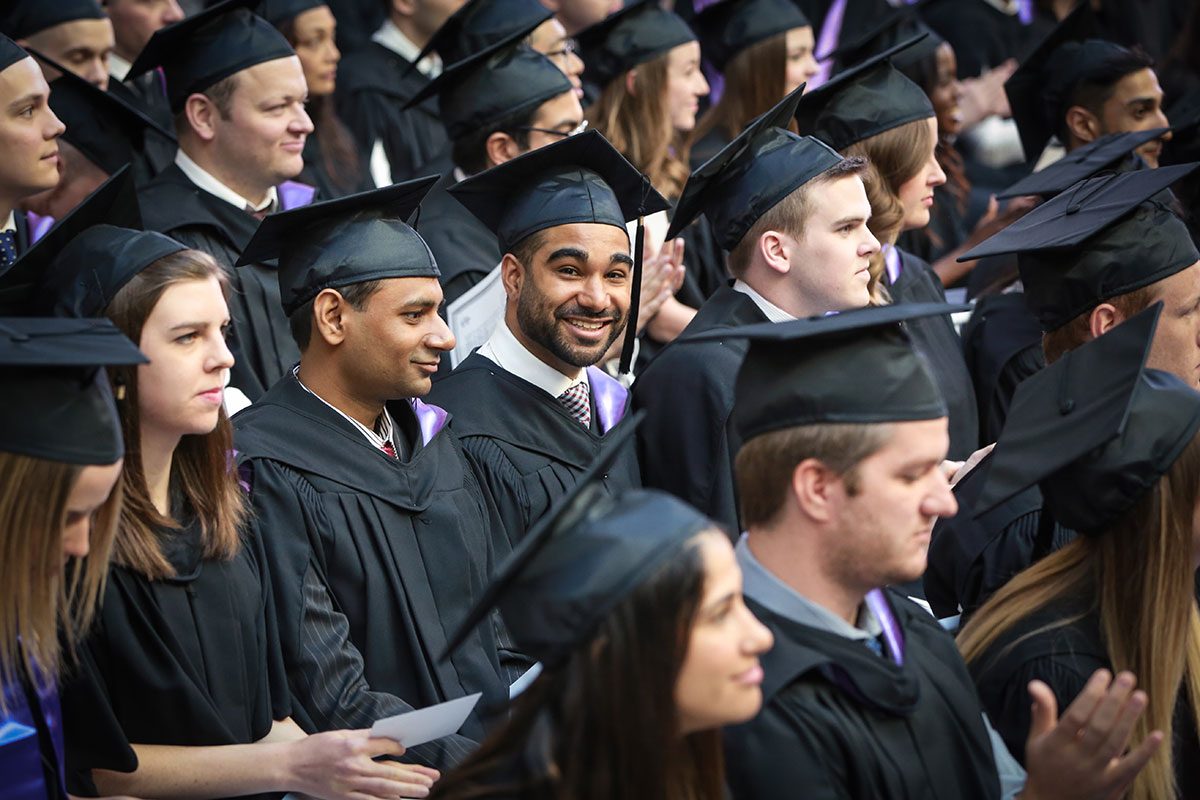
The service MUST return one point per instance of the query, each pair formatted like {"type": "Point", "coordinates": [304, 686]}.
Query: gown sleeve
{"type": "Point", "coordinates": [781, 749]}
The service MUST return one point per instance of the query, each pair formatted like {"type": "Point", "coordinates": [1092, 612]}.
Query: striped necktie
{"type": "Point", "coordinates": [577, 400]}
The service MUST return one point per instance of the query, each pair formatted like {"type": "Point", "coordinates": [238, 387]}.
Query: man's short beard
{"type": "Point", "coordinates": [537, 320]}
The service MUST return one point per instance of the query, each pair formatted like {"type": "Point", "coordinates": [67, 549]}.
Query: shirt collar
{"type": "Point", "coordinates": [10, 224]}
{"type": "Point", "coordinates": [206, 181]}
{"type": "Point", "coordinates": [776, 596]}
{"type": "Point", "coordinates": [377, 440]}
{"type": "Point", "coordinates": [118, 67]}
{"type": "Point", "coordinates": [393, 39]}
{"type": "Point", "coordinates": [505, 351]}
{"type": "Point", "coordinates": [1010, 7]}
{"type": "Point", "coordinates": [773, 312]}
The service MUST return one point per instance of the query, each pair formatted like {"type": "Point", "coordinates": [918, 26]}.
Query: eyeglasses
{"type": "Point", "coordinates": [580, 128]}
{"type": "Point", "coordinates": [566, 49]}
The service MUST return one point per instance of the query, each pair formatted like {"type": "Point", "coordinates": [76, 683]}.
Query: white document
{"type": "Point", "coordinates": [426, 724]}
{"type": "Point", "coordinates": [474, 315]}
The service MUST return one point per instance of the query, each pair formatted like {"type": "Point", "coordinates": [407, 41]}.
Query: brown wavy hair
{"type": "Point", "coordinates": [39, 603]}
{"type": "Point", "coordinates": [893, 157]}
{"type": "Point", "coordinates": [1140, 576]}
{"type": "Point", "coordinates": [754, 82]}
{"type": "Point", "coordinates": [202, 469]}
{"type": "Point", "coordinates": [638, 124]}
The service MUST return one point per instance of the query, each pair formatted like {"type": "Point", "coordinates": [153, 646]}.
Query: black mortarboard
{"type": "Point", "coordinates": [750, 175]}
{"type": "Point", "coordinates": [857, 366]}
{"type": "Point", "coordinates": [23, 287]}
{"type": "Point", "coordinates": [730, 26]}
{"type": "Point", "coordinates": [588, 552]}
{"type": "Point", "coordinates": [57, 403]}
{"type": "Point", "coordinates": [863, 101]}
{"type": "Point", "coordinates": [208, 47]}
{"type": "Point", "coordinates": [22, 18]}
{"type": "Point", "coordinates": [363, 237]}
{"type": "Point", "coordinates": [278, 12]}
{"type": "Point", "coordinates": [10, 52]}
{"type": "Point", "coordinates": [102, 126]}
{"type": "Point", "coordinates": [1102, 238]}
{"type": "Point", "coordinates": [1095, 429]}
{"type": "Point", "coordinates": [1038, 90]}
{"type": "Point", "coordinates": [493, 85]}
{"type": "Point", "coordinates": [1110, 152]}
{"type": "Point", "coordinates": [480, 24]}
{"type": "Point", "coordinates": [581, 179]}
{"type": "Point", "coordinates": [897, 26]}
{"type": "Point", "coordinates": [637, 33]}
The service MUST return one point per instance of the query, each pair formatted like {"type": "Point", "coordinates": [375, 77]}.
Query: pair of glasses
{"type": "Point", "coordinates": [580, 128]}
{"type": "Point", "coordinates": [566, 49]}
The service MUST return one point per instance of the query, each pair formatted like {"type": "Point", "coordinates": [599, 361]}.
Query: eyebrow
{"type": "Point", "coordinates": [1140, 101]}
{"type": "Point", "coordinates": [621, 258]}
{"type": "Point", "coordinates": [31, 97]}
{"type": "Point", "coordinates": [568, 252]}
{"type": "Point", "coordinates": [722, 601]}
{"type": "Point", "coordinates": [421, 302]}
{"type": "Point", "coordinates": [183, 325]}
{"type": "Point", "coordinates": [848, 220]}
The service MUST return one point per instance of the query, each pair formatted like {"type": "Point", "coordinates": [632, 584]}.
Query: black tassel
{"type": "Point", "coordinates": [635, 299]}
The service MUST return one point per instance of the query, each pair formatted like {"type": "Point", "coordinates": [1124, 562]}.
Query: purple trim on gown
{"type": "Point", "coordinates": [21, 774]}
{"type": "Point", "coordinates": [611, 398]}
{"type": "Point", "coordinates": [38, 225]}
{"type": "Point", "coordinates": [892, 634]}
{"type": "Point", "coordinates": [293, 194]}
{"type": "Point", "coordinates": [431, 418]}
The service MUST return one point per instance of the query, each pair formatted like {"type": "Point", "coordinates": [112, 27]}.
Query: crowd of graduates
{"type": "Point", "coordinates": [733, 399]}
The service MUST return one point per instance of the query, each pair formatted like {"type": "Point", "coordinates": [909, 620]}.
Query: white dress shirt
{"type": "Point", "coordinates": [503, 350]}
{"type": "Point", "coordinates": [118, 67]}
{"type": "Point", "coordinates": [773, 312]}
{"type": "Point", "coordinates": [206, 181]}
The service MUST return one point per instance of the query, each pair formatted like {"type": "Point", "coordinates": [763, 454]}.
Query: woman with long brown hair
{"type": "Point", "coordinates": [1121, 466]}
{"type": "Point", "coordinates": [633, 606]}
{"type": "Point", "coordinates": [764, 50]}
{"type": "Point", "coordinates": [899, 142]}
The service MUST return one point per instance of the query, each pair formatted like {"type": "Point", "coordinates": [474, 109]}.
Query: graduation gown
{"type": "Point", "coordinates": [525, 447]}
{"type": "Point", "coordinates": [262, 343]}
{"type": "Point", "coordinates": [841, 721]}
{"type": "Point", "coordinates": [373, 86]}
{"type": "Point", "coordinates": [148, 94]}
{"type": "Point", "coordinates": [316, 175]}
{"type": "Point", "coordinates": [1002, 345]}
{"type": "Point", "coordinates": [403, 546]}
{"type": "Point", "coordinates": [982, 35]}
{"type": "Point", "coordinates": [687, 444]}
{"type": "Point", "coordinates": [465, 249]}
{"type": "Point", "coordinates": [937, 340]}
{"type": "Point", "coordinates": [31, 741]}
{"type": "Point", "coordinates": [191, 660]}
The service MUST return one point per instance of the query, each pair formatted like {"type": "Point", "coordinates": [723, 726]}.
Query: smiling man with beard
{"type": "Point", "coordinates": [530, 405]}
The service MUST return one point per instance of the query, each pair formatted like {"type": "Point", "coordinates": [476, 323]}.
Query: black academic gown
{"type": "Point", "coordinates": [374, 85]}
{"type": "Point", "coordinates": [840, 721]}
{"type": "Point", "coordinates": [147, 94]}
{"type": "Point", "coordinates": [465, 249]}
{"type": "Point", "coordinates": [403, 546]}
{"type": "Point", "coordinates": [982, 35]}
{"type": "Point", "coordinates": [316, 175]}
{"type": "Point", "coordinates": [262, 343]}
{"type": "Point", "coordinates": [31, 746]}
{"type": "Point", "coordinates": [1064, 658]}
{"type": "Point", "coordinates": [192, 660]}
{"type": "Point", "coordinates": [937, 340]}
{"type": "Point", "coordinates": [687, 444]}
{"type": "Point", "coordinates": [1002, 345]}
{"type": "Point", "coordinates": [524, 446]}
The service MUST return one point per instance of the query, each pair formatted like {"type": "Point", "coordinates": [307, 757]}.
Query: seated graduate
{"type": "Point", "coordinates": [604, 588]}
{"type": "Point", "coordinates": [237, 91]}
{"type": "Point", "coordinates": [29, 133]}
{"type": "Point", "coordinates": [74, 34]}
{"type": "Point", "coordinates": [764, 52]}
{"type": "Point", "coordinates": [368, 507]}
{"type": "Point", "coordinates": [1114, 447]}
{"type": "Point", "coordinates": [530, 405]}
{"type": "Point", "coordinates": [864, 694]}
{"type": "Point", "coordinates": [180, 691]}
{"type": "Point", "coordinates": [1089, 259]}
{"type": "Point", "coordinates": [332, 162]}
{"type": "Point", "coordinates": [899, 141]}
{"type": "Point", "coordinates": [793, 215]}
{"type": "Point", "coordinates": [60, 442]}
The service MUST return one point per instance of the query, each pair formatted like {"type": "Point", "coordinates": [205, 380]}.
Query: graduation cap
{"type": "Point", "coordinates": [1110, 152]}
{"type": "Point", "coordinates": [637, 33]}
{"type": "Point", "coordinates": [856, 366]}
{"type": "Point", "coordinates": [10, 52]}
{"type": "Point", "coordinates": [1038, 90]}
{"type": "Point", "coordinates": [354, 239]}
{"type": "Point", "coordinates": [1103, 237]}
{"type": "Point", "coordinates": [22, 18]}
{"type": "Point", "coordinates": [863, 101]}
{"type": "Point", "coordinates": [57, 403]}
{"type": "Point", "coordinates": [731, 26]}
{"type": "Point", "coordinates": [583, 557]}
{"type": "Point", "coordinates": [897, 26]}
{"type": "Point", "coordinates": [1095, 429]}
{"type": "Point", "coordinates": [102, 126]}
{"type": "Point", "coordinates": [480, 24]}
{"type": "Point", "coordinates": [581, 179]}
{"type": "Point", "coordinates": [278, 12]}
{"type": "Point", "coordinates": [495, 84]}
{"type": "Point", "coordinates": [23, 288]}
{"type": "Point", "coordinates": [752, 174]}
{"type": "Point", "coordinates": [208, 47]}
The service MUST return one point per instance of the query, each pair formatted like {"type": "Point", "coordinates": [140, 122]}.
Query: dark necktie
{"type": "Point", "coordinates": [8, 247]}
{"type": "Point", "coordinates": [577, 401]}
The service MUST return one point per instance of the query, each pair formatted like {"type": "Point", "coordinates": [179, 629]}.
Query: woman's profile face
{"type": "Point", "coordinates": [90, 491]}
{"type": "Point", "coordinates": [801, 65]}
{"type": "Point", "coordinates": [685, 85]}
{"type": "Point", "coordinates": [314, 31]}
{"type": "Point", "coordinates": [720, 682]}
{"type": "Point", "coordinates": [916, 193]}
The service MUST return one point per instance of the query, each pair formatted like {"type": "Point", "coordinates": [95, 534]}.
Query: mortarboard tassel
{"type": "Point", "coordinates": [635, 298]}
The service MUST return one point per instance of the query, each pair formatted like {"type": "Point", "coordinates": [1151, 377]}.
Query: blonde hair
{"type": "Point", "coordinates": [38, 603]}
{"type": "Point", "coordinates": [1140, 576]}
{"type": "Point", "coordinates": [638, 124]}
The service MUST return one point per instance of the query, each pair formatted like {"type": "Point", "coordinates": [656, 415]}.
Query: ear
{"type": "Point", "coordinates": [500, 147]}
{"type": "Point", "coordinates": [329, 310]}
{"type": "Point", "coordinates": [1103, 319]}
{"type": "Point", "coordinates": [405, 8]}
{"type": "Point", "coordinates": [201, 115]}
{"type": "Point", "coordinates": [776, 252]}
{"type": "Point", "coordinates": [816, 490]}
{"type": "Point", "coordinates": [630, 80]}
{"type": "Point", "coordinates": [1082, 124]}
{"type": "Point", "coordinates": [512, 276]}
